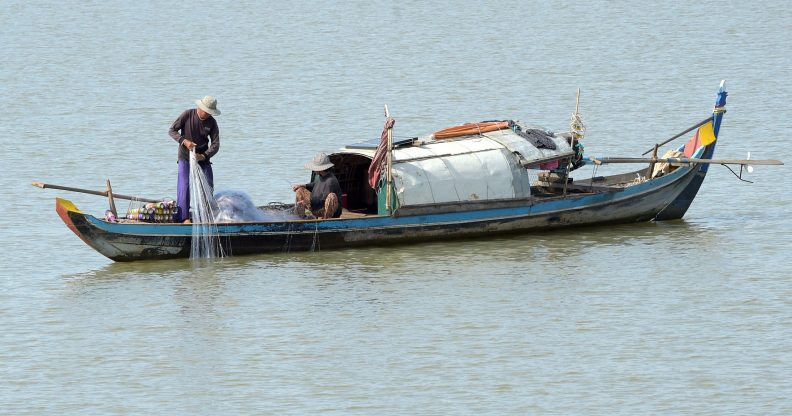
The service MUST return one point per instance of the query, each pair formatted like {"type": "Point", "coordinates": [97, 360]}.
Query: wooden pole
{"type": "Point", "coordinates": [110, 199]}
{"type": "Point", "coordinates": [389, 174]}
{"type": "Point", "coordinates": [685, 161]}
{"type": "Point", "coordinates": [90, 192]}
{"type": "Point", "coordinates": [573, 141]}
{"type": "Point", "coordinates": [688, 130]}
{"type": "Point", "coordinates": [652, 163]}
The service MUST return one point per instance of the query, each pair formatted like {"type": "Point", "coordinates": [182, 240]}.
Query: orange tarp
{"type": "Point", "coordinates": [471, 129]}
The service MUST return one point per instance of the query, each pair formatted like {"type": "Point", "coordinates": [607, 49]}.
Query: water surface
{"type": "Point", "coordinates": [683, 317]}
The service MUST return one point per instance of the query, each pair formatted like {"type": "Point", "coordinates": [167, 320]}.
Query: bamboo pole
{"type": "Point", "coordinates": [573, 141]}
{"type": "Point", "coordinates": [90, 192]}
{"type": "Point", "coordinates": [688, 130]}
{"type": "Point", "coordinates": [652, 163]}
{"type": "Point", "coordinates": [685, 161]}
{"type": "Point", "coordinates": [110, 199]}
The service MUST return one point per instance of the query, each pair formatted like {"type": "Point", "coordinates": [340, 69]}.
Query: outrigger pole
{"type": "Point", "coordinates": [683, 160]}
{"type": "Point", "coordinates": [689, 161]}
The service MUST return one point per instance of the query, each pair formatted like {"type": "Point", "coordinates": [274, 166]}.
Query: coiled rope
{"type": "Point", "coordinates": [576, 126]}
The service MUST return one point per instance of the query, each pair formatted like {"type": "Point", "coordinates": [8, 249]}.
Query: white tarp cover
{"type": "Point", "coordinates": [469, 169]}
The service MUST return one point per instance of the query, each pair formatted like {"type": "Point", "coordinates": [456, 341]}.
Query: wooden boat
{"type": "Point", "coordinates": [463, 183]}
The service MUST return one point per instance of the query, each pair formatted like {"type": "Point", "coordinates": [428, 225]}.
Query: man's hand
{"type": "Point", "coordinates": [188, 144]}
{"type": "Point", "coordinates": [200, 156]}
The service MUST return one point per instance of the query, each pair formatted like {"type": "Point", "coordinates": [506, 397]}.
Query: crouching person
{"type": "Point", "coordinates": [322, 197]}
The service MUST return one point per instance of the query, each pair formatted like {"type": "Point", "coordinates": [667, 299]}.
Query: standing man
{"type": "Point", "coordinates": [196, 129]}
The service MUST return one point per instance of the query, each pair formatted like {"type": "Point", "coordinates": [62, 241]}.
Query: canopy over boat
{"type": "Point", "coordinates": [473, 165]}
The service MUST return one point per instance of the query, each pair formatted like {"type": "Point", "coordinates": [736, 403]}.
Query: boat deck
{"type": "Point", "coordinates": [352, 214]}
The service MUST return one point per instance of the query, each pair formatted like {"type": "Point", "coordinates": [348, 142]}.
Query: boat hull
{"type": "Point", "coordinates": [636, 203]}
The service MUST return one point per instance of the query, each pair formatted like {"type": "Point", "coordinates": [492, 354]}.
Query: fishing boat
{"type": "Point", "coordinates": [477, 179]}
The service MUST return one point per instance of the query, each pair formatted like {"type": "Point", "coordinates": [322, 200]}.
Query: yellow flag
{"type": "Point", "coordinates": [706, 134]}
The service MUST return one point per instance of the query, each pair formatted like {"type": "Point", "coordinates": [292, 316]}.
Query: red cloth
{"type": "Point", "coordinates": [379, 161]}
{"type": "Point", "coordinates": [550, 165]}
{"type": "Point", "coordinates": [692, 145]}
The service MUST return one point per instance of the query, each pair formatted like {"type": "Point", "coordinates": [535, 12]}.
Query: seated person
{"type": "Point", "coordinates": [321, 197]}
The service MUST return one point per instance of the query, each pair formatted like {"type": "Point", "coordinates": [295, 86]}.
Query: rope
{"type": "Point", "coordinates": [735, 173]}
{"type": "Point", "coordinates": [577, 127]}
{"type": "Point", "coordinates": [593, 175]}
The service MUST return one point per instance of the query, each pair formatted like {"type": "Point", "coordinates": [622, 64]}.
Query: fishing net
{"type": "Point", "coordinates": [205, 241]}
{"type": "Point", "coordinates": [238, 206]}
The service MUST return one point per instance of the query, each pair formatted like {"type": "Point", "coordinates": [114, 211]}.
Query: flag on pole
{"type": "Point", "coordinates": [704, 136]}
{"type": "Point", "coordinates": [378, 162]}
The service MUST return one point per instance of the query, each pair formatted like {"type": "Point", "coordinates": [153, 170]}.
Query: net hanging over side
{"type": "Point", "coordinates": [205, 241]}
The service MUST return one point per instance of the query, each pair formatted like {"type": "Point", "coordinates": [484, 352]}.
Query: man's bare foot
{"type": "Point", "coordinates": [299, 210]}
{"type": "Point", "coordinates": [187, 221]}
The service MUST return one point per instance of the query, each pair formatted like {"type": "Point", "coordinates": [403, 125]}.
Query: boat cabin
{"type": "Point", "coordinates": [478, 162]}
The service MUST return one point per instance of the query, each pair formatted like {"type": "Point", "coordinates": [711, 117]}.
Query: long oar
{"type": "Point", "coordinates": [91, 192]}
{"type": "Point", "coordinates": [684, 160]}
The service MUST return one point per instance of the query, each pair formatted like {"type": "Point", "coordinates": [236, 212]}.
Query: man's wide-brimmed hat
{"type": "Point", "coordinates": [208, 104]}
{"type": "Point", "coordinates": [319, 163]}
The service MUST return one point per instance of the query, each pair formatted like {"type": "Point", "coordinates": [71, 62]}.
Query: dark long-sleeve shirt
{"type": "Point", "coordinates": [320, 188]}
{"type": "Point", "coordinates": [204, 133]}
